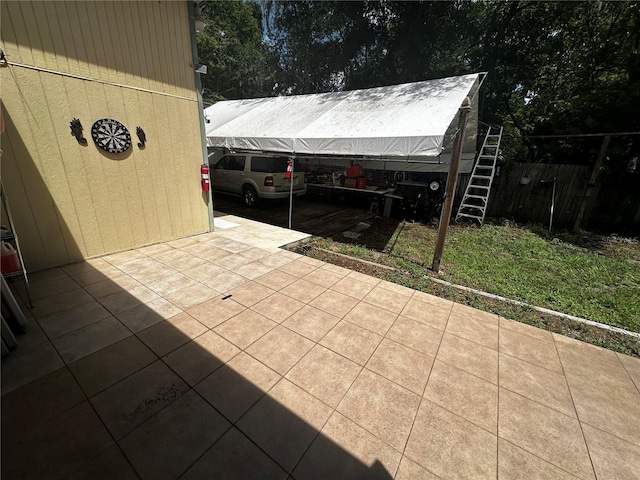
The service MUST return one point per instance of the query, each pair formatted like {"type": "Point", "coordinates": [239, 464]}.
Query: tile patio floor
{"type": "Point", "coordinates": [222, 356]}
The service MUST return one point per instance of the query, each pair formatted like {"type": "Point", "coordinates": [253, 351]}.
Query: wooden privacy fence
{"type": "Point", "coordinates": [524, 192]}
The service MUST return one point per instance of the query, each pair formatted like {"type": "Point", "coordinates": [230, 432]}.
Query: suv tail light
{"type": "Point", "coordinates": [268, 181]}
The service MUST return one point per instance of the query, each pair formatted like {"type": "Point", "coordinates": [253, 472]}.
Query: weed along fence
{"type": "Point", "coordinates": [525, 192]}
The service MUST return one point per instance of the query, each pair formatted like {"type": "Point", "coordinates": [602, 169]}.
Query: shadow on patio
{"type": "Point", "coordinates": [135, 365]}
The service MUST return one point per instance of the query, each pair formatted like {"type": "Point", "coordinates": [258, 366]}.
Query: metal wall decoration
{"type": "Point", "coordinates": [76, 131]}
{"type": "Point", "coordinates": [141, 136]}
{"type": "Point", "coordinates": [111, 136]}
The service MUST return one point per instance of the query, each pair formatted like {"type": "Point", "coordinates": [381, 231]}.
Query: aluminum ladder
{"type": "Point", "coordinates": [476, 196]}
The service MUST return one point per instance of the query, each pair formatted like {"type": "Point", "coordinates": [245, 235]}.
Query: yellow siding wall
{"type": "Point", "coordinates": [130, 61]}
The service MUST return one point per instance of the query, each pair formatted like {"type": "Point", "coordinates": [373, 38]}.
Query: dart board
{"type": "Point", "coordinates": [111, 136]}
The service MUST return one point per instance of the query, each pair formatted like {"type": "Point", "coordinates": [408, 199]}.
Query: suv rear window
{"type": "Point", "coordinates": [271, 164]}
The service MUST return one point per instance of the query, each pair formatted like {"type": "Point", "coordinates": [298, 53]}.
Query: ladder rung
{"type": "Point", "coordinates": [469, 216]}
{"type": "Point", "coordinates": [486, 187]}
{"type": "Point", "coordinates": [474, 196]}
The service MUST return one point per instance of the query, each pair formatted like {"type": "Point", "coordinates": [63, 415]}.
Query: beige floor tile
{"type": "Point", "coordinates": [276, 260]}
{"type": "Point", "coordinates": [276, 279]}
{"type": "Point", "coordinates": [470, 357]}
{"type": "Point", "coordinates": [546, 433]}
{"type": "Point", "coordinates": [253, 270]}
{"type": "Point", "coordinates": [530, 350]}
{"type": "Point", "coordinates": [364, 278]}
{"type": "Point", "coordinates": [44, 288]}
{"type": "Point", "coordinates": [285, 422]}
{"type": "Point", "coordinates": [20, 367]}
{"type": "Point", "coordinates": [127, 299]}
{"type": "Point", "coordinates": [108, 366]}
{"type": "Point", "coordinates": [416, 335]}
{"type": "Point", "coordinates": [112, 286]}
{"type": "Point", "coordinates": [352, 287]}
{"type": "Point", "coordinates": [245, 328]}
{"type": "Point", "coordinates": [396, 288]}
{"type": "Point", "coordinates": [95, 276]}
{"type": "Point", "coordinates": [466, 395]}
{"type": "Point", "coordinates": [235, 457]}
{"type": "Point", "coordinates": [584, 363]}
{"type": "Point", "coordinates": [346, 451]}
{"type": "Point", "coordinates": [536, 383]}
{"type": "Point", "coordinates": [311, 322]}
{"type": "Point", "coordinates": [137, 398]}
{"type": "Point", "coordinates": [71, 269]}
{"type": "Point", "coordinates": [254, 253]}
{"type": "Point", "coordinates": [409, 470]}
{"type": "Point", "coordinates": [372, 318]}
{"type": "Point", "coordinates": [277, 307]}
{"type": "Point", "coordinates": [55, 449]}
{"type": "Point", "coordinates": [183, 242]}
{"type": "Point", "coordinates": [87, 340]}
{"type": "Point", "coordinates": [165, 285]}
{"type": "Point", "coordinates": [392, 301]}
{"type": "Point", "coordinates": [630, 363]}
{"type": "Point", "coordinates": [614, 409]}
{"type": "Point", "coordinates": [201, 356]}
{"type": "Point", "coordinates": [231, 262]}
{"type": "Point", "coordinates": [334, 268]}
{"type": "Point", "coordinates": [225, 281]}
{"type": "Point", "coordinates": [473, 329]}
{"type": "Point", "coordinates": [426, 313]}
{"type": "Point", "coordinates": [189, 297]}
{"type": "Point", "coordinates": [612, 457]}
{"type": "Point", "coordinates": [352, 341]}
{"type": "Point", "coordinates": [24, 409]}
{"type": "Point", "coordinates": [297, 268]}
{"type": "Point", "coordinates": [433, 300]}
{"type": "Point", "coordinates": [450, 446]}
{"type": "Point", "coordinates": [380, 406]}
{"type": "Point", "coordinates": [152, 250]}
{"type": "Point", "coordinates": [109, 464]}
{"type": "Point", "coordinates": [72, 319]}
{"type": "Point", "coordinates": [324, 374]}
{"type": "Point", "coordinates": [525, 329]}
{"type": "Point", "coordinates": [334, 303]}
{"type": "Point", "coordinates": [60, 303]}
{"type": "Point", "coordinates": [402, 365]}
{"type": "Point", "coordinates": [250, 293]}
{"type": "Point", "coordinates": [203, 272]}
{"type": "Point", "coordinates": [303, 291]}
{"type": "Point", "coordinates": [459, 310]}
{"type": "Point", "coordinates": [119, 259]}
{"type": "Point", "coordinates": [513, 462]}
{"type": "Point", "coordinates": [312, 261]}
{"type": "Point", "coordinates": [148, 314]}
{"type": "Point", "coordinates": [172, 333]}
{"type": "Point", "coordinates": [151, 273]}
{"type": "Point", "coordinates": [323, 277]}
{"type": "Point", "coordinates": [167, 444]}
{"type": "Point", "coordinates": [280, 349]}
{"type": "Point", "coordinates": [237, 385]}
{"type": "Point", "coordinates": [216, 311]}
{"type": "Point", "coordinates": [181, 261]}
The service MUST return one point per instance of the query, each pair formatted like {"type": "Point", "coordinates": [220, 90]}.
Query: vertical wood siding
{"type": "Point", "coordinates": [71, 201]}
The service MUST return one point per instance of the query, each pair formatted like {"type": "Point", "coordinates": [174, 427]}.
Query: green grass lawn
{"type": "Point", "coordinates": [585, 275]}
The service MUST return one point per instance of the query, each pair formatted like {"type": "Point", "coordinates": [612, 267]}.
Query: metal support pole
{"type": "Point", "coordinates": [452, 179]}
{"type": "Point", "coordinates": [293, 162]}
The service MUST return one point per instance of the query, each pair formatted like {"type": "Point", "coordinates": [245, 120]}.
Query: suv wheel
{"type": "Point", "coordinates": [250, 196]}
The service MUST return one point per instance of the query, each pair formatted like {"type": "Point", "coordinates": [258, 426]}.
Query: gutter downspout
{"type": "Point", "coordinates": [203, 134]}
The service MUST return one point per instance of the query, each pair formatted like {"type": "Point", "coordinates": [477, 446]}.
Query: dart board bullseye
{"type": "Point", "coordinates": [111, 136]}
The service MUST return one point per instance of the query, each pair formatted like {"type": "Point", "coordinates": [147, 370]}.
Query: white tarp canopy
{"type": "Point", "coordinates": [409, 121]}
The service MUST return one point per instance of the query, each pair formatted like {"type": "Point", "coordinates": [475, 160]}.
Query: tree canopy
{"type": "Point", "coordinates": [553, 67]}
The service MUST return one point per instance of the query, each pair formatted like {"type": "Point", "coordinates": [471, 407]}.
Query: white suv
{"type": "Point", "coordinates": [254, 177]}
